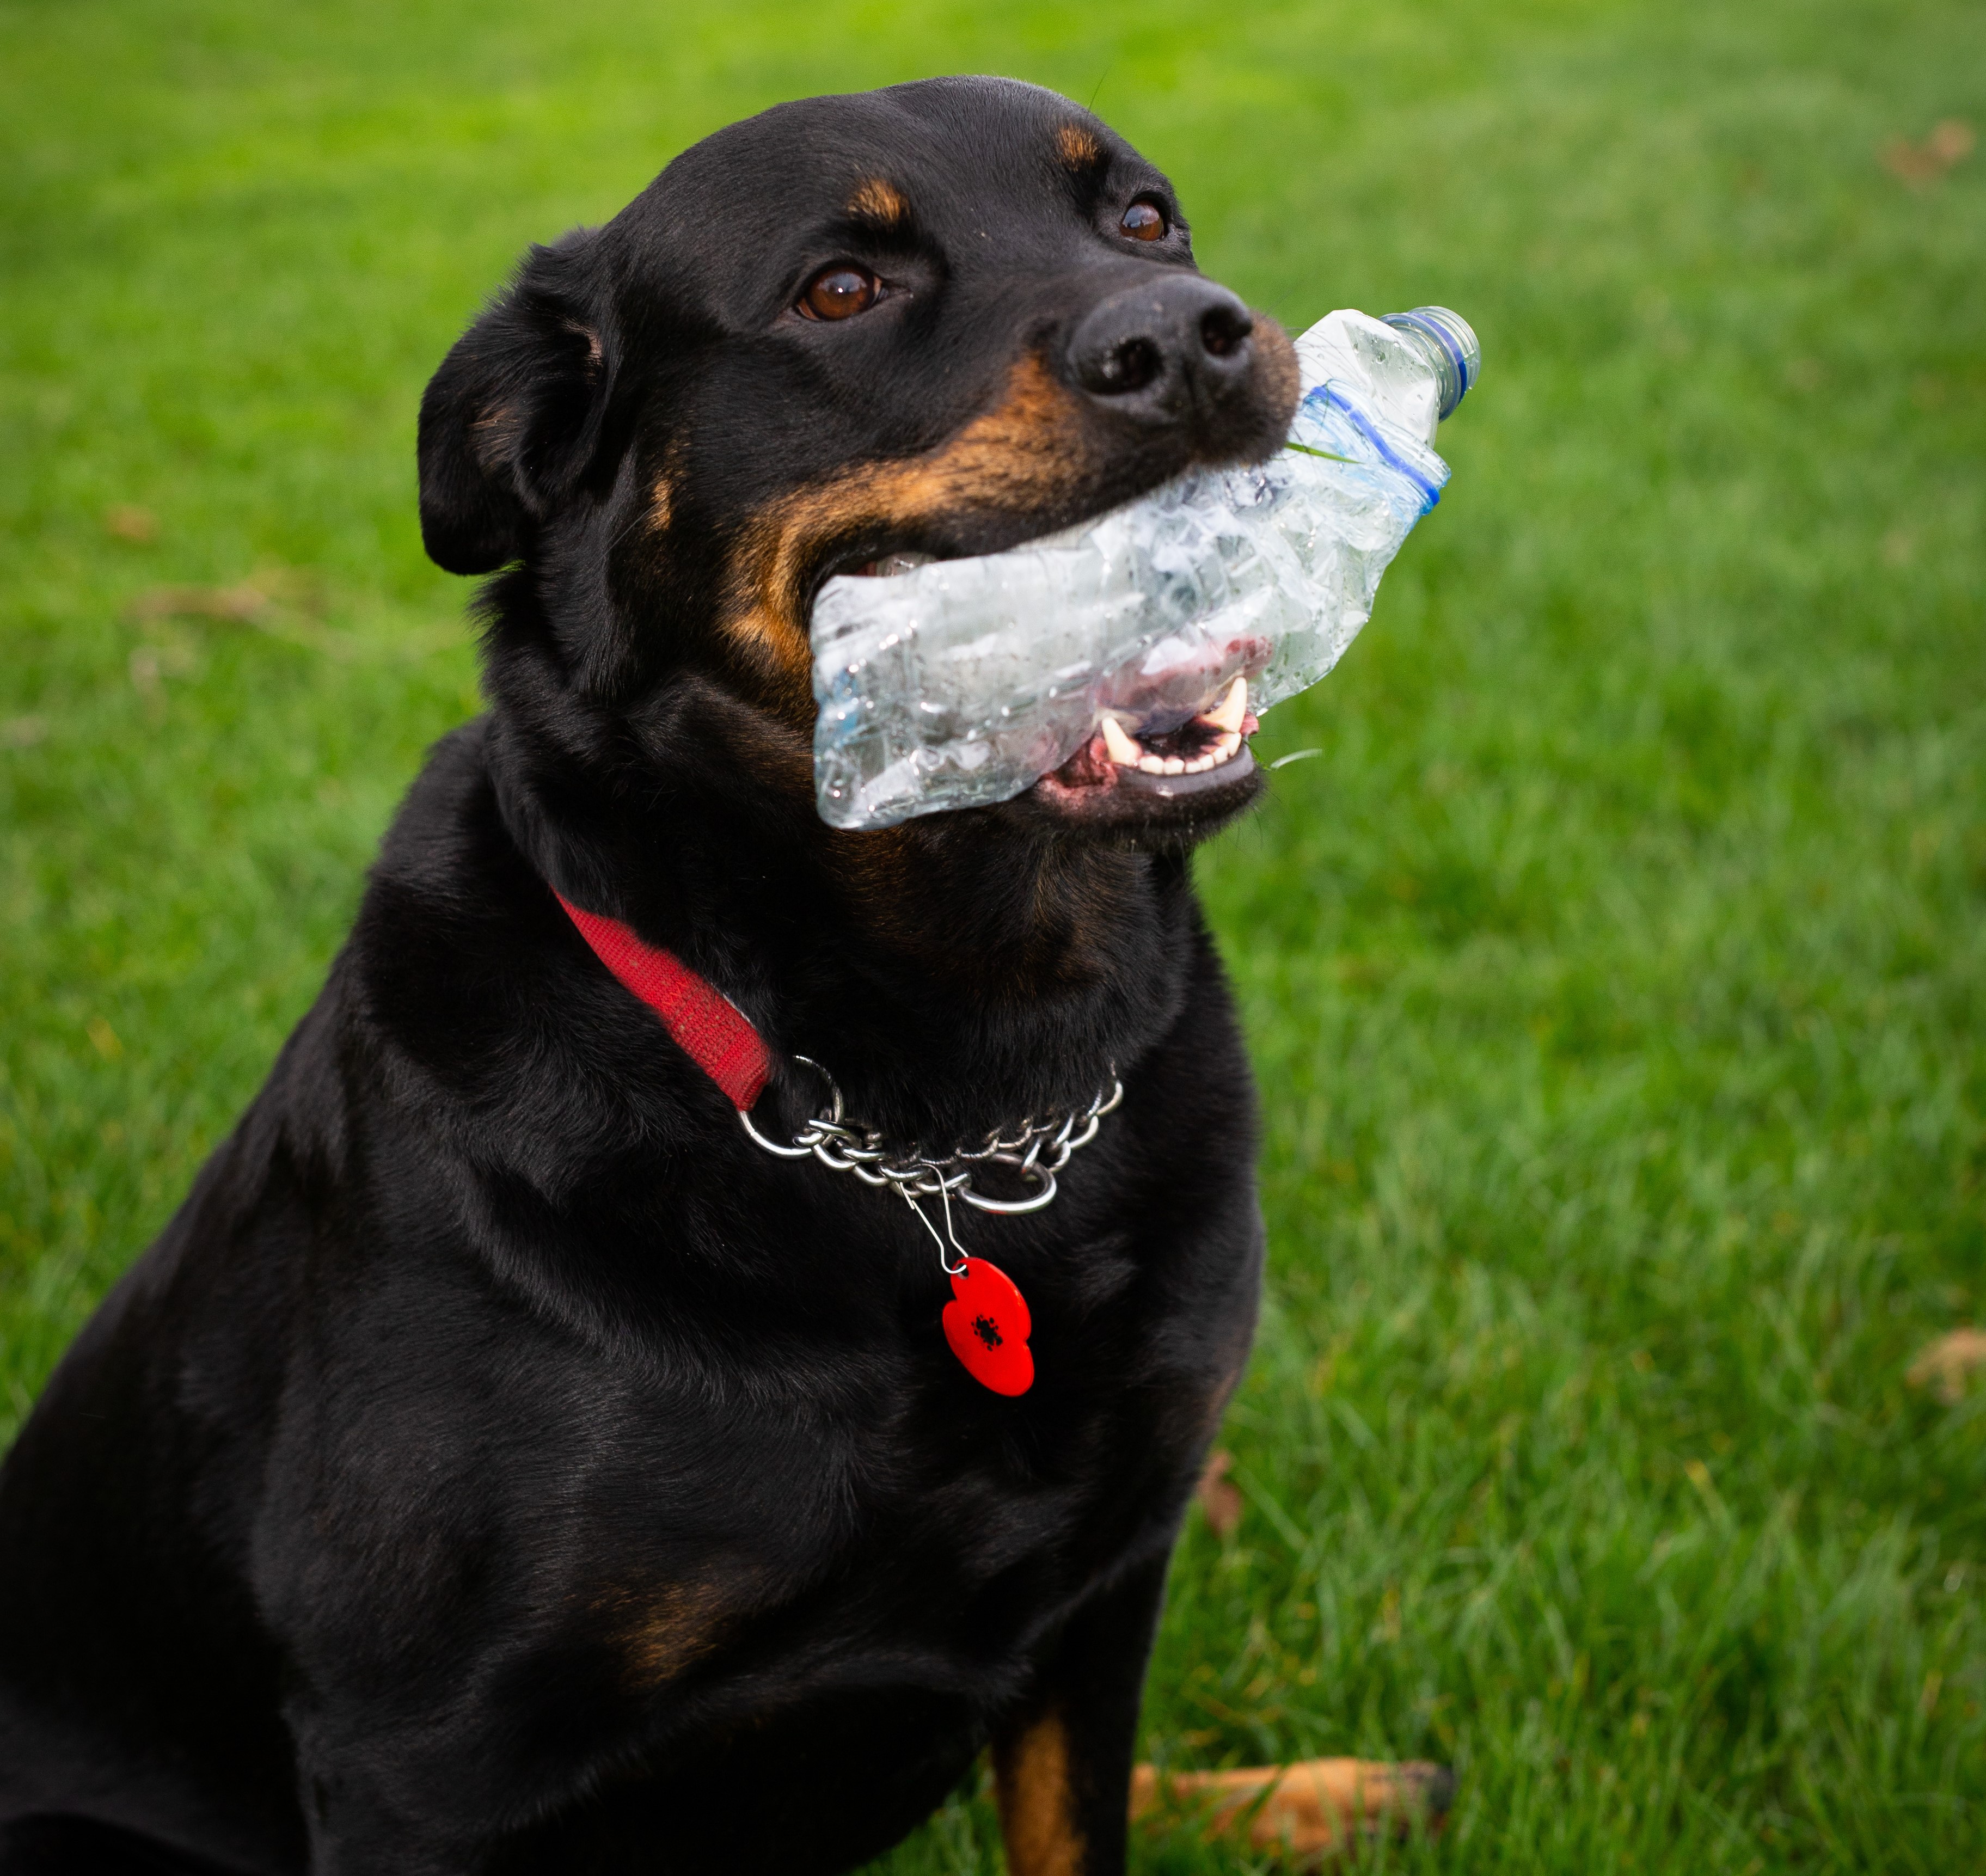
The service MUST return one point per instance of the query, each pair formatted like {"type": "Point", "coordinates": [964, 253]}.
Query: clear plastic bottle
{"type": "Point", "coordinates": [959, 683]}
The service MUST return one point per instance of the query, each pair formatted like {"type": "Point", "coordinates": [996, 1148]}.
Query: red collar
{"type": "Point", "coordinates": [707, 1025]}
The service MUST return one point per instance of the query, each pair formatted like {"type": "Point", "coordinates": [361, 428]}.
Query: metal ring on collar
{"type": "Point", "coordinates": [803, 1146]}
{"type": "Point", "coordinates": [1010, 1207]}
{"type": "Point", "coordinates": [771, 1146]}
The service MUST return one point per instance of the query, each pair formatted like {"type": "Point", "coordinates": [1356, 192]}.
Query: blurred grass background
{"type": "Point", "coordinates": [1615, 972]}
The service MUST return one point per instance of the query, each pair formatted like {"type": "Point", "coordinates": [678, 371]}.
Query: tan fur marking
{"type": "Point", "coordinates": [1276, 360]}
{"type": "Point", "coordinates": [1037, 1808]}
{"type": "Point", "coordinates": [880, 202]}
{"type": "Point", "coordinates": [1015, 456]}
{"type": "Point", "coordinates": [1078, 147]}
{"type": "Point", "coordinates": [671, 477]}
{"type": "Point", "coordinates": [665, 1631]}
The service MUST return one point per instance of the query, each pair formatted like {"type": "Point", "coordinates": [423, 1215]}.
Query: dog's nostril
{"type": "Point", "coordinates": [1129, 366]}
{"type": "Point", "coordinates": [1224, 330]}
{"type": "Point", "coordinates": [1162, 347]}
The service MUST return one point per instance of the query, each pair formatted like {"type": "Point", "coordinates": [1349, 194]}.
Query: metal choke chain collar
{"type": "Point", "coordinates": [1037, 1151]}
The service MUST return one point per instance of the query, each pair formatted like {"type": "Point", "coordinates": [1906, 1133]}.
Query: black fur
{"type": "Point", "coordinates": [499, 1463]}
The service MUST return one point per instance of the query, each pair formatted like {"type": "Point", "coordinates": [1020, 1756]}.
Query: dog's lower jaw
{"type": "Point", "coordinates": [1093, 796]}
{"type": "Point", "coordinates": [1158, 772]}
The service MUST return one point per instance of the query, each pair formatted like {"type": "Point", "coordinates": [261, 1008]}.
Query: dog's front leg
{"type": "Point", "coordinates": [1063, 1762]}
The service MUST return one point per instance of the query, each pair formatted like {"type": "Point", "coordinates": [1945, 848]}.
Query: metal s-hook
{"type": "Point", "coordinates": [944, 1262]}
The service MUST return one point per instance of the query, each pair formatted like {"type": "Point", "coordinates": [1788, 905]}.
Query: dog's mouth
{"type": "Point", "coordinates": [1149, 750]}
{"type": "Point", "coordinates": [1157, 757]}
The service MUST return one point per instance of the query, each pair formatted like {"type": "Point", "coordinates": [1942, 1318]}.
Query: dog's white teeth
{"type": "Point", "coordinates": [1121, 748]}
{"type": "Point", "coordinates": [1126, 752]}
{"type": "Point", "coordinates": [891, 565]}
{"type": "Point", "coordinates": [1228, 712]}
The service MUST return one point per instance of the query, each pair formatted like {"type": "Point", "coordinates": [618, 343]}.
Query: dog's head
{"type": "Point", "coordinates": [940, 319]}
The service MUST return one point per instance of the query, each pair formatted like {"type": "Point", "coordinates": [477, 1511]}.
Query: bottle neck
{"type": "Point", "coordinates": [1448, 345]}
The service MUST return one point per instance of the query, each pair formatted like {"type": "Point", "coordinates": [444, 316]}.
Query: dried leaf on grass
{"type": "Point", "coordinates": [1305, 1810]}
{"type": "Point", "coordinates": [1220, 1497]}
{"type": "Point", "coordinates": [1946, 1364]}
{"type": "Point", "coordinates": [224, 605]}
{"type": "Point", "coordinates": [1950, 143]}
{"type": "Point", "coordinates": [126, 522]}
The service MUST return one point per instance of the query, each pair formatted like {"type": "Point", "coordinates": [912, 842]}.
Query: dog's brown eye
{"type": "Point", "coordinates": [836, 292]}
{"type": "Point", "coordinates": [1143, 221]}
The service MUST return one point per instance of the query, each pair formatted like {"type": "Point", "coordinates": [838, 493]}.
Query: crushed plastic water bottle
{"type": "Point", "coordinates": [959, 683]}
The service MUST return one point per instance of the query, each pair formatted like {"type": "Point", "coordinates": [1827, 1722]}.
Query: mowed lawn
{"type": "Point", "coordinates": [1614, 970]}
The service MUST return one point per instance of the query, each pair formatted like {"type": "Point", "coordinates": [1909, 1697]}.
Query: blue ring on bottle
{"type": "Point", "coordinates": [1438, 323]}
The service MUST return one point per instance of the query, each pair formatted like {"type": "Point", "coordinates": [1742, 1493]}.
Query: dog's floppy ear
{"type": "Point", "coordinates": [513, 418]}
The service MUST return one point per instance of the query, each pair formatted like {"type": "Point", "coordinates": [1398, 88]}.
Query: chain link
{"type": "Point", "coordinates": [1037, 1150]}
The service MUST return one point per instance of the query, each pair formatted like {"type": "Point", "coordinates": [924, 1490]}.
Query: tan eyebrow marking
{"type": "Point", "coordinates": [1079, 147]}
{"type": "Point", "coordinates": [879, 201]}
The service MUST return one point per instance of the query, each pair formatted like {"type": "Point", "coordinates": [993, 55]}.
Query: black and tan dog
{"type": "Point", "coordinates": [500, 1463]}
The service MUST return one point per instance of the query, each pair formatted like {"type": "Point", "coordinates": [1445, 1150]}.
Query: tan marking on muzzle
{"type": "Point", "coordinates": [1015, 458]}
{"type": "Point", "coordinates": [1276, 365]}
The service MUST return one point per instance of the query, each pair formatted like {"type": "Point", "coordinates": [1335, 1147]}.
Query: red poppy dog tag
{"type": "Point", "coordinates": [986, 1324]}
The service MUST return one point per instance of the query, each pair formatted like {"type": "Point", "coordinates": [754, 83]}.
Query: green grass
{"type": "Point", "coordinates": [1614, 973]}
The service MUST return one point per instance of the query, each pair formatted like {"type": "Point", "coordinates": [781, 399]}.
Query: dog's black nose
{"type": "Point", "coordinates": [1158, 349]}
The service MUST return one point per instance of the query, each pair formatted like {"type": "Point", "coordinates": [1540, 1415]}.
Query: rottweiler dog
{"type": "Point", "coordinates": [501, 1463]}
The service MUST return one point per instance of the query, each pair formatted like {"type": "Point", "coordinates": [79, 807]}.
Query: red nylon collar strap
{"type": "Point", "coordinates": [707, 1025]}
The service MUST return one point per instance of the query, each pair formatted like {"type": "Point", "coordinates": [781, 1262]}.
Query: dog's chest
{"type": "Point", "coordinates": [945, 1527]}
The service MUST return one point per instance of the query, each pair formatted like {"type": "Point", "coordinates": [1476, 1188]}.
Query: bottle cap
{"type": "Point", "coordinates": [1450, 345]}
